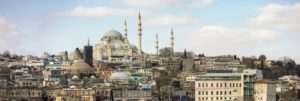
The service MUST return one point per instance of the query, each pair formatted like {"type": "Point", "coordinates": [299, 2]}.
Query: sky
{"type": "Point", "coordinates": [212, 27]}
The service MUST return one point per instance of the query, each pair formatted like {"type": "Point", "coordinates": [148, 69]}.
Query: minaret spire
{"type": "Point", "coordinates": [125, 29]}
{"type": "Point", "coordinates": [172, 41]}
{"type": "Point", "coordinates": [140, 34]}
{"type": "Point", "coordinates": [88, 42]}
{"type": "Point", "coordinates": [157, 46]}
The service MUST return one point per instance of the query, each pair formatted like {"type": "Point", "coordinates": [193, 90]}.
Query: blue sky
{"type": "Point", "coordinates": [213, 27]}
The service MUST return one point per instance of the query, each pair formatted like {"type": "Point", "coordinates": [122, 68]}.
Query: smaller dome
{"type": "Point", "coordinates": [75, 77]}
{"type": "Point", "coordinates": [92, 77]}
{"type": "Point", "coordinates": [80, 67]}
{"type": "Point", "coordinates": [73, 87]}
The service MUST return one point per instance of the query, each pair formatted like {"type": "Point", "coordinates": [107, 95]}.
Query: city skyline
{"type": "Point", "coordinates": [212, 27]}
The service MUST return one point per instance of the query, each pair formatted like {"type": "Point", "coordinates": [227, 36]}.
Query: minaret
{"type": "Point", "coordinates": [140, 34]}
{"type": "Point", "coordinates": [157, 47]}
{"type": "Point", "coordinates": [88, 42]}
{"type": "Point", "coordinates": [125, 29]}
{"type": "Point", "coordinates": [172, 41]}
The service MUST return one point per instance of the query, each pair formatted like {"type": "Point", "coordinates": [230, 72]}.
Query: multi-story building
{"type": "Point", "coordinates": [264, 90]}
{"type": "Point", "coordinates": [28, 82]}
{"type": "Point", "coordinates": [247, 79]}
{"type": "Point", "coordinates": [250, 76]}
{"type": "Point", "coordinates": [226, 62]}
{"type": "Point", "coordinates": [200, 63]}
{"type": "Point", "coordinates": [88, 54]}
{"type": "Point", "coordinates": [21, 94]}
{"type": "Point", "coordinates": [53, 77]}
{"type": "Point", "coordinates": [219, 87]}
{"type": "Point", "coordinates": [174, 63]}
{"type": "Point", "coordinates": [75, 94]}
{"type": "Point", "coordinates": [132, 95]}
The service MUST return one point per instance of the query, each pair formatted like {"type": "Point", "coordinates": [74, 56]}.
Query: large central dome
{"type": "Point", "coordinates": [113, 33]}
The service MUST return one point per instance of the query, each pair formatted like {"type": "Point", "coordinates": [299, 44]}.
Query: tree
{"type": "Point", "coordinates": [6, 54]}
{"type": "Point", "coordinates": [248, 61]}
{"type": "Point", "coordinates": [262, 59]}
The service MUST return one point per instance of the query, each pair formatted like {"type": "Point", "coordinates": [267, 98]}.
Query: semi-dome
{"type": "Point", "coordinates": [80, 66]}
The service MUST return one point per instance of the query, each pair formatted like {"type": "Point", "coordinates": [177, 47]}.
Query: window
{"type": "Point", "coordinates": [212, 84]}
{"type": "Point", "coordinates": [199, 93]}
{"type": "Point", "coordinates": [206, 84]}
{"type": "Point", "coordinates": [217, 92]}
{"type": "Point", "coordinates": [225, 92]}
{"type": "Point", "coordinates": [199, 84]}
{"type": "Point", "coordinates": [221, 84]}
{"type": "Point", "coordinates": [217, 85]}
{"type": "Point", "coordinates": [229, 92]}
{"type": "Point", "coordinates": [221, 93]}
{"type": "Point", "coordinates": [206, 92]}
{"type": "Point", "coordinates": [225, 84]}
{"type": "Point", "coordinates": [211, 92]}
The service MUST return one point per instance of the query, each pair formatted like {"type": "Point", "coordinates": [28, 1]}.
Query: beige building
{"type": "Point", "coordinates": [219, 87]}
{"type": "Point", "coordinates": [132, 95]}
{"type": "Point", "coordinates": [74, 94]}
{"type": "Point", "coordinates": [21, 94]}
{"type": "Point", "coordinates": [264, 90]}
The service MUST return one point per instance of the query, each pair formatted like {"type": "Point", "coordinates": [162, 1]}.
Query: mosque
{"type": "Point", "coordinates": [113, 47]}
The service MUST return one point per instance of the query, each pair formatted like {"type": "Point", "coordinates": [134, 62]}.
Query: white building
{"type": "Point", "coordinates": [219, 87]}
{"type": "Point", "coordinates": [241, 90]}
{"type": "Point", "coordinates": [291, 79]}
{"type": "Point", "coordinates": [223, 63]}
{"type": "Point", "coordinates": [264, 90]}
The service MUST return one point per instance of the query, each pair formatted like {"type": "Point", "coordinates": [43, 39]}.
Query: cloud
{"type": "Point", "coordinates": [215, 40]}
{"type": "Point", "coordinates": [169, 3]}
{"type": "Point", "coordinates": [98, 12]}
{"type": "Point", "coordinates": [170, 20]}
{"type": "Point", "coordinates": [9, 36]}
{"type": "Point", "coordinates": [282, 17]}
{"type": "Point", "coordinates": [6, 28]}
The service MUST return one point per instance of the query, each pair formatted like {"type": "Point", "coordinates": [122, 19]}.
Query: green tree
{"type": "Point", "coordinates": [262, 59]}
{"type": "Point", "coordinates": [6, 54]}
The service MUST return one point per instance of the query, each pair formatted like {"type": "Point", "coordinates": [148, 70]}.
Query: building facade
{"type": "Point", "coordinates": [219, 87]}
{"type": "Point", "coordinates": [264, 90]}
